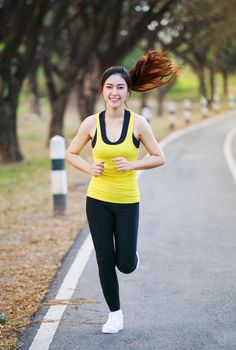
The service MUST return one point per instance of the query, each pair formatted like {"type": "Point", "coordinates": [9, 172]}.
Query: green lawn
{"type": "Point", "coordinates": [14, 176]}
{"type": "Point", "coordinates": [186, 86]}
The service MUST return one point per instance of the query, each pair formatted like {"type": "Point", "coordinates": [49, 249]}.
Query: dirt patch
{"type": "Point", "coordinates": [33, 243]}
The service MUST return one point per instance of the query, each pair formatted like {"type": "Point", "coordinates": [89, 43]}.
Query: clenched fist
{"type": "Point", "coordinates": [122, 164]}
{"type": "Point", "coordinates": [97, 168]}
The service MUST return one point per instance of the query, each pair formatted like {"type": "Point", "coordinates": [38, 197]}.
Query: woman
{"type": "Point", "coordinates": [112, 204]}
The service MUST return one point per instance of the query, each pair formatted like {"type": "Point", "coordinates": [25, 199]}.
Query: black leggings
{"type": "Point", "coordinates": [114, 229]}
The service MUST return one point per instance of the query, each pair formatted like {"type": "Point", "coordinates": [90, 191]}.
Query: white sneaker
{"type": "Point", "coordinates": [114, 323]}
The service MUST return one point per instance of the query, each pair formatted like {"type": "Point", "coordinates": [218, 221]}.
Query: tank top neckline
{"type": "Point", "coordinates": [124, 129]}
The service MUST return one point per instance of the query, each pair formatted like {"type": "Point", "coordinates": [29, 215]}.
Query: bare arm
{"type": "Point", "coordinates": [156, 156]}
{"type": "Point", "coordinates": [77, 144]}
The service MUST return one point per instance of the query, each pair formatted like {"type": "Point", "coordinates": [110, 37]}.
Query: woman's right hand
{"type": "Point", "coordinates": [97, 168]}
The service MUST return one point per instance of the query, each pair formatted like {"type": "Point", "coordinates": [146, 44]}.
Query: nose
{"type": "Point", "coordinates": [114, 92]}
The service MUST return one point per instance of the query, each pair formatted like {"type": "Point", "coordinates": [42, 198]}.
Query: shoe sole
{"type": "Point", "coordinates": [112, 332]}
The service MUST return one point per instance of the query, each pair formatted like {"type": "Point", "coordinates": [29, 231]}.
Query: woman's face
{"type": "Point", "coordinates": [115, 91]}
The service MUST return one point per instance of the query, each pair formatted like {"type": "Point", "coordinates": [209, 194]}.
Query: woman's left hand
{"type": "Point", "coordinates": [122, 164]}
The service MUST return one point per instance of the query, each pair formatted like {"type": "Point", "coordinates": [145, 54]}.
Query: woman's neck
{"type": "Point", "coordinates": [114, 112]}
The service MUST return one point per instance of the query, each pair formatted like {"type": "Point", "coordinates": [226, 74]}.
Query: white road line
{"type": "Point", "coordinates": [48, 329]}
{"type": "Point", "coordinates": [228, 152]}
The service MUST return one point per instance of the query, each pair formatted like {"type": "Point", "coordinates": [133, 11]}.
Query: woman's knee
{"type": "Point", "coordinates": [126, 268]}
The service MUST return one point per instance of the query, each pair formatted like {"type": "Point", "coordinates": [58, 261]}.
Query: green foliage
{"type": "Point", "coordinates": [5, 92]}
{"type": "Point", "coordinates": [12, 177]}
{"type": "Point", "coordinates": [3, 321]}
{"type": "Point", "coordinates": [130, 59]}
{"type": "Point", "coordinates": [186, 86]}
{"type": "Point", "coordinates": [232, 83]}
{"type": "Point", "coordinates": [2, 47]}
{"type": "Point", "coordinates": [48, 18]}
{"type": "Point", "coordinates": [21, 49]}
{"type": "Point", "coordinates": [3, 318]}
{"type": "Point", "coordinates": [41, 84]}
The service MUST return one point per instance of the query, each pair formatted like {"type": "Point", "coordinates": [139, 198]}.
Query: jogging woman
{"type": "Point", "coordinates": [112, 203]}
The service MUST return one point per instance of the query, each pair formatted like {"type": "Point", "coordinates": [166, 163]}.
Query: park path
{"type": "Point", "coordinates": [183, 297]}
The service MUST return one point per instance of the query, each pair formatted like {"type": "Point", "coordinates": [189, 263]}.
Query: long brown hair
{"type": "Point", "coordinates": [151, 71]}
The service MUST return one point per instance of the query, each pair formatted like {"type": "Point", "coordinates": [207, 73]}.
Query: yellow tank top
{"type": "Point", "coordinates": [113, 185]}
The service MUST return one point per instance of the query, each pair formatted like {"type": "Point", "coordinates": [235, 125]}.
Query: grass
{"type": "Point", "coordinates": [32, 138]}
{"type": "Point", "coordinates": [14, 176]}
{"type": "Point", "coordinates": [232, 83]}
{"type": "Point", "coordinates": [186, 86]}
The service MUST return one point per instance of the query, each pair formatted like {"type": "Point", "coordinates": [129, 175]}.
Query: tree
{"type": "Point", "coordinates": [193, 34]}
{"type": "Point", "coordinates": [226, 59]}
{"type": "Point", "coordinates": [127, 25]}
{"type": "Point", "coordinates": [33, 89]}
{"type": "Point", "coordinates": [70, 39]}
{"type": "Point", "coordinates": [81, 39]}
{"type": "Point", "coordinates": [21, 23]}
{"type": "Point", "coordinates": [63, 36]}
{"type": "Point", "coordinates": [224, 46]}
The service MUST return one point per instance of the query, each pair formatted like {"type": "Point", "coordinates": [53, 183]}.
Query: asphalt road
{"type": "Point", "coordinates": [183, 297]}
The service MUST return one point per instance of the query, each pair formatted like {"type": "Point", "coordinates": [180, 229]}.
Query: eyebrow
{"type": "Point", "coordinates": [121, 84]}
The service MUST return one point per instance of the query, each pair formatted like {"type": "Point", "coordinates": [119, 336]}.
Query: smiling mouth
{"type": "Point", "coordinates": [114, 99]}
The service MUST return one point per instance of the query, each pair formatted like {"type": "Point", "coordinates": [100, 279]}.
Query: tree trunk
{"type": "Point", "coordinates": [9, 95]}
{"type": "Point", "coordinates": [225, 83]}
{"type": "Point", "coordinates": [202, 82]}
{"type": "Point", "coordinates": [58, 107]}
{"type": "Point", "coordinates": [160, 101]}
{"type": "Point", "coordinates": [21, 25]}
{"type": "Point", "coordinates": [212, 83]}
{"type": "Point", "coordinates": [87, 88]}
{"type": "Point", "coordinates": [58, 101]}
{"type": "Point", "coordinates": [161, 93]}
{"type": "Point", "coordinates": [9, 145]}
{"type": "Point", "coordinates": [86, 102]}
{"type": "Point", "coordinates": [143, 101]}
{"type": "Point", "coordinates": [34, 94]}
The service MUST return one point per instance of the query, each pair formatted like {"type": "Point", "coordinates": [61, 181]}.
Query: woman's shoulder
{"type": "Point", "coordinates": [89, 122]}
{"type": "Point", "coordinates": [140, 124]}
{"type": "Point", "coordinates": [139, 119]}
{"type": "Point", "coordinates": [90, 119]}
{"type": "Point", "coordinates": [88, 125]}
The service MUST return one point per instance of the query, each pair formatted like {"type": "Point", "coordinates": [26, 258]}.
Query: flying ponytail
{"type": "Point", "coordinates": [151, 70]}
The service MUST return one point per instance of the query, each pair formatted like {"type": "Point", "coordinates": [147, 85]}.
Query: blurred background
{"type": "Point", "coordinates": [52, 54]}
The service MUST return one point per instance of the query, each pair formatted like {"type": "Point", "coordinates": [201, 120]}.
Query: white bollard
{"type": "Point", "coordinates": [146, 113]}
{"type": "Point", "coordinates": [172, 114]}
{"type": "Point", "coordinates": [204, 106]}
{"type": "Point", "coordinates": [58, 175]}
{"type": "Point", "coordinates": [187, 110]}
{"type": "Point", "coordinates": [231, 101]}
{"type": "Point", "coordinates": [216, 103]}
